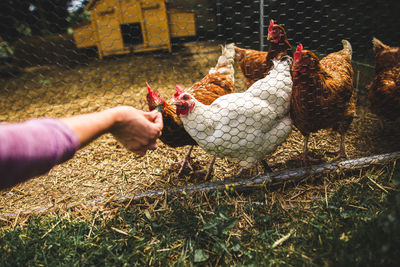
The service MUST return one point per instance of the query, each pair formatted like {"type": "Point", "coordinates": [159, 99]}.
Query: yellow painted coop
{"type": "Point", "coordinates": [125, 26]}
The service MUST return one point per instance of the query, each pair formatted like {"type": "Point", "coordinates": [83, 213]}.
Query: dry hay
{"type": "Point", "coordinates": [104, 169]}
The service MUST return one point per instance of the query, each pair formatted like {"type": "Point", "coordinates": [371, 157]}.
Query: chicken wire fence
{"type": "Point", "coordinates": [68, 57]}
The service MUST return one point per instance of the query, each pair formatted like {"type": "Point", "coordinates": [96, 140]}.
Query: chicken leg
{"type": "Point", "coordinates": [184, 162]}
{"type": "Point", "coordinates": [305, 158]}
{"type": "Point", "coordinates": [210, 169]}
{"type": "Point", "coordinates": [341, 153]}
{"type": "Point", "coordinates": [305, 151]}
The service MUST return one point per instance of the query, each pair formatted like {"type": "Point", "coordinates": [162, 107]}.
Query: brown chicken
{"type": "Point", "coordinates": [218, 82]}
{"type": "Point", "coordinates": [384, 90]}
{"type": "Point", "coordinates": [254, 64]}
{"type": "Point", "coordinates": [322, 95]}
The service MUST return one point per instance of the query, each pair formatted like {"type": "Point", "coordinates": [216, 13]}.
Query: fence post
{"type": "Point", "coordinates": [262, 25]}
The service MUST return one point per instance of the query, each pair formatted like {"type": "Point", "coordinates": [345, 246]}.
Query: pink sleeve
{"type": "Point", "coordinates": [32, 148]}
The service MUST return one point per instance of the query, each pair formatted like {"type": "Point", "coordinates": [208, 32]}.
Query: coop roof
{"type": "Point", "coordinates": [81, 24]}
{"type": "Point", "coordinates": [91, 4]}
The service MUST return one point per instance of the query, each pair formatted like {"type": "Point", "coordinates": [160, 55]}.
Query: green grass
{"type": "Point", "coordinates": [357, 224]}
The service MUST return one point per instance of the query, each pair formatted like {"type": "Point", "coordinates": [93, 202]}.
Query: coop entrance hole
{"type": "Point", "coordinates": [131, 34]}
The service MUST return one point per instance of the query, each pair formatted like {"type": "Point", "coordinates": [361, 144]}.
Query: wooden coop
{"type": "Point", "coordinates": [125, 26]}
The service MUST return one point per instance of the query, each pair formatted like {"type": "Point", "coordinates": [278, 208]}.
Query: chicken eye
{"type": "Point", "coordinates": [185, 97]}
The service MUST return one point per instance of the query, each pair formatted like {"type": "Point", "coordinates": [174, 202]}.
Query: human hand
{"type": "Point", "coordinates": [137, 130]}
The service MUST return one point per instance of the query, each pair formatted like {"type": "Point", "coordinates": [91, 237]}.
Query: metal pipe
{"type": "Point", "coordinates": [262, 36]}
{"type": "Point", "coordinates": [244, 183]}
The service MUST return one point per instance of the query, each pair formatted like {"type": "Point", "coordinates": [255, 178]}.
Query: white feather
{"type": "Point", "coordinates": [245, 126]}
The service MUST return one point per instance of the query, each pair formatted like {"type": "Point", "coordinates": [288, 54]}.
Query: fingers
{"type": "Point", "coordinates": [159, 120]}
{"type": "Point", "coordinates": [157, 123]}
{"type": "Point", "coordinates": [155, 117]}
{"type": "Point", "coordinates": [151, 115]}
{"type": "Point", "coordinates": [139, 130]}
{"type": "Point", "coordinates": [141, 151]}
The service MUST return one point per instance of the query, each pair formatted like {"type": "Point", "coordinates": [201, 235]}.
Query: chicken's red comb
{"type": "Point", "coordinates": [154, 95]}
{"type": "Point", "coordinates": [151, 92]}
{"type": "Point", "coordinates": [297, 54]}
{"type": "Point", "coordinates": [179, 91]}
{"type": "Point", "coordinates": [271, 24]}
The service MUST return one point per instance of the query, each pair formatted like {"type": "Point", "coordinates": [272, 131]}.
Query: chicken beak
{"type": "Point", "coordinates": [175, 102]}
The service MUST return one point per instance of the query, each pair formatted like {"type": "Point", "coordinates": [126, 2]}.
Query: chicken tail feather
{"type": "Point", "coordinates": [378, 45]}
{"type": "Point", "coordinates": [239, 53]}
{"type": "Point", "coordinates": [225, 61]}
{"type": "Point", "coordinates": [347, 47]}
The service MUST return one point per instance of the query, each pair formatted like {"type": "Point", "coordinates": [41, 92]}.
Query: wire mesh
{"type": "Point", "coordinates": [60, 58]}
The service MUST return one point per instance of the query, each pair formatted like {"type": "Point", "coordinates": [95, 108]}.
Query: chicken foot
{"type": "Point", "coordinates": [267, 169]}
{"type": "Point", "coordinates": [185, 161]}
{"type": "Point", "coordinates": [304, 157]}
{"type": "Point", "coordinates": [341, 153]}
{"type": "Point", "coordinates": [207, 170]}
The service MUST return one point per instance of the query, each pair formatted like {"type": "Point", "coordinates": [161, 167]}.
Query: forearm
{"type": "Point", "coordinates": [88, 127]}
{"type": "Point", "coordinates": [134, 129]}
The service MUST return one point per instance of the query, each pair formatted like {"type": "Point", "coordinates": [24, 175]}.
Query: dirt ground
{"type": "Point", "coordinates": [104, 169]}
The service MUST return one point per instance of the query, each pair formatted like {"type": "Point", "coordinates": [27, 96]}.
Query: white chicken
{"type": "Point", "coordinates": [243, 126]}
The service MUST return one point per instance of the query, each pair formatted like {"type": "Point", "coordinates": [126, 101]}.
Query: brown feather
{"type": "Point", "coordinates": [255, 65]}
{"type": "Point", "coordinates": [384, 90]}
{"type": "Point", "coordinates": [322, 95]}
